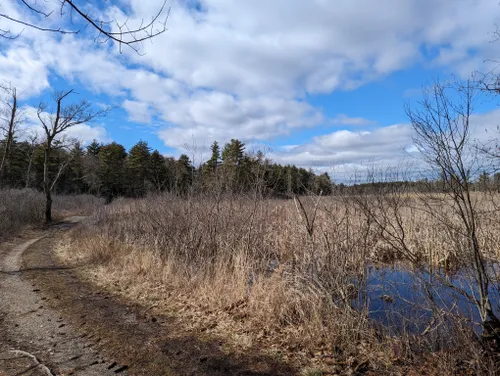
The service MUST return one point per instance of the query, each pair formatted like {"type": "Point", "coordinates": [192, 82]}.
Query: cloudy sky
{"type": "Point", "coordinates": [318, 83]}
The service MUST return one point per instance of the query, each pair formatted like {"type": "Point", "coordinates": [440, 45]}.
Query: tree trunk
{"type": "Point", "coordinates": [48, 206]}
{"type": "Point", "coordinates": [46, 183]}
{"type": "Point", "coordinates": [28, 171]}
{"type": "Point", "coordinates": [5, 164]}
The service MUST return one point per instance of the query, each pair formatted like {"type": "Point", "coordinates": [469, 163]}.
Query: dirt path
{"type": "Point", "coordinates": [51, 323]}
{"type": "Point", "coordinates": [35, 339]}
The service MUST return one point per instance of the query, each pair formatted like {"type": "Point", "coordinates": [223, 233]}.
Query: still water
{"type": "Point", "coordinates": [403, 300]}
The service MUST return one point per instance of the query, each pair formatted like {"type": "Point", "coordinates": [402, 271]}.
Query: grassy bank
{"type": "Point", "coordinates": [279, 274]}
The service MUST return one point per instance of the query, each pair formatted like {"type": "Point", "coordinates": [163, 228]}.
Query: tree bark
{"type": "Point", "coordinates": [46, 183]}
{"type": "Point", "coordinates": [5, 164]}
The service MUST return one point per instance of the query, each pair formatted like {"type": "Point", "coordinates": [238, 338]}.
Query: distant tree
{"type": "Point", "coordinates": [483, 181]}
{"type": "Point", "coordinates": [138, 163]}
{"type": "Point", "coordinates": [496, 181]}
{"type": "Point", "coordinates": [29, 154]}
{"type": "Point", "coordinates": [54, 125]}
{"type": "Point", "coordinates": [233, 153]}
{"type": "Point", "coordinates": [323, 184]}
{"type": "Point", "coordinates": [215, 159]}
{"type": "Point", "coordinates": [93, 148]}
{"type": "Point", "coordinates": [183, 174]}
{"type": "Point", "coordinates": [159, 174]}
{"type": "Point", "coordinates": [233, 156]}
{"type": "Point", "coordinates": [111, 173]}
{"type": "Point", "coordinates": [91, 167]}
{"type": "Point", "coordinates": [171, 166]}
{"type": "Point", "coordinates": [72, 177]}
{"type": "Point", "coordinates": [10, 120]}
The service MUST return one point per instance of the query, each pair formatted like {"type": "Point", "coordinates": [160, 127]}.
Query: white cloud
{"type": "Point", "coordinates": [209, 116]}
{"type": "Point", "coordinates": [85, 133]}
{"type": "Point", "coordinates": [345, 146]}
{"type": "Point", "coordinates": [244, 69]}
{"type": "Point", "coordinates": [343, 119]}
{"type": "Point", "coordinates": [138, 111]}
{"type": "Point", "coordinates": [344, 153]}
{"type": "Point", "coordinates": [22, 69]}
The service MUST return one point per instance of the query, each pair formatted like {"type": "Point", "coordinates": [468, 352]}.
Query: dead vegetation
{"type": "Point", "coordinates": [22, 208]}
{"type": "Point", "coordinates": [281, 274]}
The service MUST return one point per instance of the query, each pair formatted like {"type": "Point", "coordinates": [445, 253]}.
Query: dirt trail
{"type": "Point", "coordinates": [35, 339]}
{"type": "Point", "coordinates": [52, 323]}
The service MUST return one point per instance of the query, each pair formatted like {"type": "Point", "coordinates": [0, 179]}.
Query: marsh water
{"type": "Point", "coordinates": [403, 300]}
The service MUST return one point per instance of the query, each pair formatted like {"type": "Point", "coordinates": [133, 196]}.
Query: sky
{"type": "Point", "coordinates": [320, 83]}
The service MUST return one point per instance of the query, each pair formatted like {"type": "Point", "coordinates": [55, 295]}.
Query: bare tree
{"type": "Point", "coordinates": [491, 149]}
{"type": "Point", "coordinates": [10, 119]}
{"type": "Point", "coordinates": [33, 140]}
{"type": "Point", "coordinates": [441, 122]}
{"type": "Point", "coordinates": [118, 31]}
{"type": "Point", "coordinates": [54, 124]}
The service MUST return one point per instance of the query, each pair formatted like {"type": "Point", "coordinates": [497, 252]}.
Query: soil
{"type": "Point", "coordinates": [54, 323]}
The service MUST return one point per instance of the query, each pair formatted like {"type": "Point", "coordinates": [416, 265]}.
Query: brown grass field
{"type": "Point", "coordinates": [279, 273]}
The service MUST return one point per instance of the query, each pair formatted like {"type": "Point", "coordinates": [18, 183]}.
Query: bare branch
{"type": "Point", "coordinates": [33, 9]}
{"type": "Point", "coordinates": [122, 35]}
{"type": "Point", "coordinates": [40, 28]}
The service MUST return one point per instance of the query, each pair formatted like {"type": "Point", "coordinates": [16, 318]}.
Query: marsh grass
{"type": "Point", "coordinates": [256, 272]}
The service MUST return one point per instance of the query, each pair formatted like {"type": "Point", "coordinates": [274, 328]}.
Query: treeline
{"type": "Point", "coordinates": [484, 182]}
{"type": "Point", "coordinates": [110, 171]}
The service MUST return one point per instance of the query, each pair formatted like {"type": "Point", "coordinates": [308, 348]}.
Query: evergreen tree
{"type": "Point", "coordinates": [323, 184]}
{"type": "Point", "coordinates": [91, 167]}
{"type": "Point", "coordinates": [232, 160]}
{"type": "Point", "coordinates": [183, 174]}
{"type": "Point", "coordinates": [233, 153]}
{"type": "Point", "coordinates": [214, 161]}
{"type": "Point", "coordinates": [72, 179]}
{"type": "Point", "coordinates": [111, 171]}
{"type": "Point", "coordinates": [159, 175]}
{"type": "Point", "coordinates": [138, 162]}
{"type": "Point", "coordinates": [93, 148]}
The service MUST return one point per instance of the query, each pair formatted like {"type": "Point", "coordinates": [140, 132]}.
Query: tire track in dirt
{"type": "Point", "coordinates": [73, 329]}
{"type": "Point", "coordinates": [34, 339]}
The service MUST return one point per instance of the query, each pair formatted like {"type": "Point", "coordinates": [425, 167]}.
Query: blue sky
{"type": "Point", "coordinates": [316, 83]}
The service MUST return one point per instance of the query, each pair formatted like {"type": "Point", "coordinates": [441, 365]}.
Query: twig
{"type": "Point", "coordinates": [39, 364]}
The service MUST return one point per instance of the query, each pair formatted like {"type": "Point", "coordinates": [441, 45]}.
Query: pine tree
{"type": "Point", "coordinates": [138, 162]}
{"type": "Point", "coordinates": [159, 175]}
{"type": "Point", "coordinates": [233, 153]}
{"type": "Point", "coordinates": [323, 184]}
{"type": "Point", "coordinates": [91, 167]}
{"type": "Point", "coordinates": [93, 148]}
{"type": "Point", "coordinates": [183, 174]}
{"type": "Point", "coordinates": [111, 171]}
{"type": "Point", "coordinates": [232, 160]}
{"type": "Point", "coordinates": [214, 161]}
{"type": "Point", "coordinates": [72, 180]}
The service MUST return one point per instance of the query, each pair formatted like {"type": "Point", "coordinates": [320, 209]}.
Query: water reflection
{"type": "Point", "coordinates": [411, 301]}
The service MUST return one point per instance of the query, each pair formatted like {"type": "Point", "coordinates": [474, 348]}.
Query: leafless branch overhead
{"type": "Point", "coordinates": [118, 31]}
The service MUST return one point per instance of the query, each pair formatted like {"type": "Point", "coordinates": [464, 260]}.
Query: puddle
{"type": "Point", "coordinates": [403, 300]}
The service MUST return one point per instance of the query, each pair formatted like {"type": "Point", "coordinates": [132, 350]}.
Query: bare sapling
{"type": "Point", "coordinates": [442, 126]}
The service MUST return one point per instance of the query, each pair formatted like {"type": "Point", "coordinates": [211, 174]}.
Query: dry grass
{"type": "Point", "coordinates": [19, 209]}
{"type": "Point", "coordinates": [22, 208]}
{"type": "Point", "coordinates": [262, 272]}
